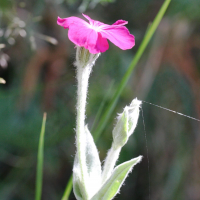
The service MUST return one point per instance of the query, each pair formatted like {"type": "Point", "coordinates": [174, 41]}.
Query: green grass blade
{"type": "Point", "coordinates": [150, 31]}
{"type": "Point", "coordinates": [102, 106]}
{"type": "Point", "coordinates": [131, 67]}
{"type": "Point", "coordinates": [38, 189]}
{"type": "Point", "coordinates": [68, 189]}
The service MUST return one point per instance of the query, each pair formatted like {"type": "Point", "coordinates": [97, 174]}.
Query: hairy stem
{"type": "Point", "coordinates": [84, 63]}
{"type": "Point", "coordinates": [82, 76]}
{"type": "Point", "coordinates": [111, 159]}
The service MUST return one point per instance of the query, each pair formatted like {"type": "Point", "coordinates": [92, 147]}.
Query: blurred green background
{"type": "Point", "coordinates": [36, 61]}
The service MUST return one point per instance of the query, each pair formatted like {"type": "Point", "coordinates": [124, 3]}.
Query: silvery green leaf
{"type": "Point", "coordinates": [112, 186]}
{"type": "Point", "coordinates": [93, 165]}
{"type": "Point", "coordinates": [77, 184]}
{"type": "Point", "coordinates": [93, 173]}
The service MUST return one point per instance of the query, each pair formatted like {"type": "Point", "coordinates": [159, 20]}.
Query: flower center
{"type": "Point", "coordinates": [95, 27]}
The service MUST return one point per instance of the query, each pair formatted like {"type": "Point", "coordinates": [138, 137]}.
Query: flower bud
{"type": "Point", "coordinates": [126, 124]}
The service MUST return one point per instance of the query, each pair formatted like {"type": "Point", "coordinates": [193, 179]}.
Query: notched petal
{"type": "Point", "coordinates": [120, 22]}
{"type": "Point", "coordinates": [93, 35]}
{"type": "Point", "coordinates": [88, 18]}
{"type": "Point", "coordinates": [66, 22]}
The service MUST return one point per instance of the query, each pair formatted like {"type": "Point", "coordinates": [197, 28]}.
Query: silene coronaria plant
{"type": "Point", "coordinates": [90, 180]}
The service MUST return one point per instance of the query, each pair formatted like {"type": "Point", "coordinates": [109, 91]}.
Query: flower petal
{"type": "Point", "coordinates": [94, 23]}
{"type": "Point", "coordinates": [66, 22]}
{"type": "Point", "coordinates": [88, 18]}
{"type": "Point", "coordinates": [93, 35]}
{"type": "Point", "coordinates": [102, 44]}
{"type": "Point", "coordinates": [83, 36]}
{"type": "Point", "coordinates": [120, 22]}
{"type": "Point", "coordinates": [119, 35]}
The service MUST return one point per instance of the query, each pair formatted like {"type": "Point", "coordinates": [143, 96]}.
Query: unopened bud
{"type": "Point", "coordinates": [126, 123]}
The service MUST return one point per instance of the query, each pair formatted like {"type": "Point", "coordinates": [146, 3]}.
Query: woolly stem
{"type": "Point", "coordinates": [111, 159]}
{"type": "Point", "coordinates": [82, 76]}
{"type": "Point", "coordinates": [84, 63]}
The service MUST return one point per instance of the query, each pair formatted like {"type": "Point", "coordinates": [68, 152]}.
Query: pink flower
{"type": "Point", "coordinates": [93, 35]}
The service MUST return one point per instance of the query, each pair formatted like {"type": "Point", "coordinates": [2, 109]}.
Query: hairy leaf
{"type": "Point", "coordinates": [112, 186]}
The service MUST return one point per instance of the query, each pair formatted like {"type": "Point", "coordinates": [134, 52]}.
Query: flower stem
{"type": "Point", "coordinates": [83, 73]}
{"type": "Point", "coordinates": [112, 156]}
{"type": "Point", "coordinates": [84, 63]}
